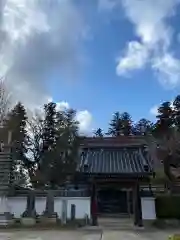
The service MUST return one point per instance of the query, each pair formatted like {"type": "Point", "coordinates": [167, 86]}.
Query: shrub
{"type": "Point", "coordinates": [168, 207]}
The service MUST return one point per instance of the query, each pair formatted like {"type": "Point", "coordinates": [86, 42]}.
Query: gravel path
{"type": "Point", "coordinates": [80, 235]}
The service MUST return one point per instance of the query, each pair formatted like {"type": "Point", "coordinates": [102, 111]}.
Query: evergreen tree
{"type": "Point", "coordinates": [116, 125]}
{"type": "Point", "coordinates": [163, 126]}
{"type": "Point", "coordinates": [60, 149]}
{"type": "Point", "coordinates": [98, 133]}
{"type": "Point", "coordinates": [49, 128]}
{"type": "Point", "coordinates": [126, 124]}
{"type": "Point", "coordinates": [16, 123]}
{"type": "Point", "coordinates": [143, 127]}
{"type": "Point", "coordinates": [67, 147]}
{"type": "Point", "coordinates": [48, 139]}
{"type": "Point", "coordinates": [176, 112]}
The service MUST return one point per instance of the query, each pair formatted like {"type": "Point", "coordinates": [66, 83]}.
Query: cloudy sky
{"type": "Point", "coordinates": [97, 56]}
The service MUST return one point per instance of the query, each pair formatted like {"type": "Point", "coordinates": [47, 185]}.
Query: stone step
{"type": "Point", "coordinates": [113, 216]}
{"type": "Point", "coordinates": [116, 223]}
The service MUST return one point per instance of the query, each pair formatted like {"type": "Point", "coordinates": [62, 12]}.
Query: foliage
{"type": "Point", "coordinates": [35, 130]}
{"type": "Point", "coordinates": [176, 112]}
{"type": "Point", "coordinates": [115, 125]}
{"type": "Point", "coordinates": [60, 147]}
{"type": "Point", "coordinates": [121, 124]}
{"type": "Point", "coordinates": [167, 207]}
{"type": "Point", "coordinates": [164, 122]}
{"type": "Point", "coordinates": [160, 177]}
{"type": "Point", "coordinates": [98, 133]}
{"type": "Point", "coordinates": [143, 127]}
{"type": "Point", "coordinates": [48, 144]}
{"type": "Point", "coordinates": [48, 138]}
{"type": "Point", "coordinates": [67, 147]}
{"type": "Point", "coordinates": [16, 123]}
{"type": "Point", "coordinates": [126, 124]}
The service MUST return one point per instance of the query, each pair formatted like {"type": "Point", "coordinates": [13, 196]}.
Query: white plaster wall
{"type": "Point", "coordinates": [40, 205]}
{"type": "Point", "coordinates": [17, 205]}
{"type": "Point", "coordinates": [82, 207]}
{"type": "Point", "coordinates": [58, 206]}
{"type": "Point", "coordinates": [148, 208]}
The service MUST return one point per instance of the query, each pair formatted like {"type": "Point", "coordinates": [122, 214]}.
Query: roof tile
{"type": "Point", "coordinates": [116, 160]}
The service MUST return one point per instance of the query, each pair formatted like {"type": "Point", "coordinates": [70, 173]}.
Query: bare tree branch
{"type": "Point", "coordinates": [35, 128]}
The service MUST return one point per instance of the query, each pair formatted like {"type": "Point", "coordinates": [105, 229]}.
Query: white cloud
{"type": "Point", "coordinates": [150, 24]}
{"type": "Point", "coordinates": [84, 117]}
{"type": "Point", "coordinates": [62, 105]}
{"type": "Point", "coordinates": [149, 17]}
{"type": "Point", "coordinates": [136, 57]}
{"type": "Point", "coordinates": [168, 68]}
{"type": "Point", "coordinates": [154, 110]}
{"type": "Point", "coordinates": [85, 120]}
{"type": "Point", "coordinates": [37, 37]}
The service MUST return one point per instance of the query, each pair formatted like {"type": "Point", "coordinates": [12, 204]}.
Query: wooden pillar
{"type": "Point", "coordinates": [94, 205]}
{"type": "Point", "coordinates": [137, 206]}
{"type": "Point", "coordinates": [128, 202]}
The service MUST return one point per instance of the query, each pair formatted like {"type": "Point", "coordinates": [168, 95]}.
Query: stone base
{"type": "Point", "coordinates": [6, 220]}
{"type": "Point", "coordinates": [27, 221]}
{"type": "Point", "coordinates": [45, 220]}
{"type": "Point", "coordinates": [148, 223]}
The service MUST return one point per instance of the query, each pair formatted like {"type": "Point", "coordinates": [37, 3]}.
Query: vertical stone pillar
{"type": "Point", "coordinates": [64, 211]}
{"type": "Point", "coordinates": [29, 215]}
{"type": "Point", "coordinates": [49, 211]}
{"type": "Point", "coordinates": [6, 217]}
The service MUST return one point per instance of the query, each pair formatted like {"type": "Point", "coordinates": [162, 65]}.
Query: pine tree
{"type": "Point", "coordinates": [98, 133]}
{"type": "Point", "coordinates": [176, 112]}
{"type": "Point", "coordinates": [48, 138]}
{"type": "Point", "coordinates": [164, 120]}
{"type": "Point", "coordinates": [143, 127]}
{"type": "Point", "coordinates": [60, 146]}
{"type": "Point", "coordinates": [116, 125]}
{"type": "Point", "coordinates": [49, 131]}
{"type": "Point", "coordinates": [67, 147]}
{"type": "Point", "coordinates": [126, 124]}
{"type": "Point", "coordinates": [16, 123]}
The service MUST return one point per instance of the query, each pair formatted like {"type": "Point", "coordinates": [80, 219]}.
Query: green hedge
{"type": "Point", "coordinates": [168, 207]}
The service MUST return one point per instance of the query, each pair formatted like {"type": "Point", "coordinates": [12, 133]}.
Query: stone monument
{"type": "Point", "coordinates": [49, 216]}
{"type": "Point", "coordinates": [6, 217]}
{"type": "Point", "coordinates": [28, 217]}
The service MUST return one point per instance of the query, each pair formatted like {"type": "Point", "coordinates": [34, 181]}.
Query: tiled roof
{"type": "Point", "coordinates": [115, 161]}
{"type": "Point", "coordinates": [113, 141]}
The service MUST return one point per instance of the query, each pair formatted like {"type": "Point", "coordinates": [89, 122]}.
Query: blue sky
{"type": "Point", "coordinates": [137, 90]}
{"type": "Point", "coordinates": [97, 56]}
